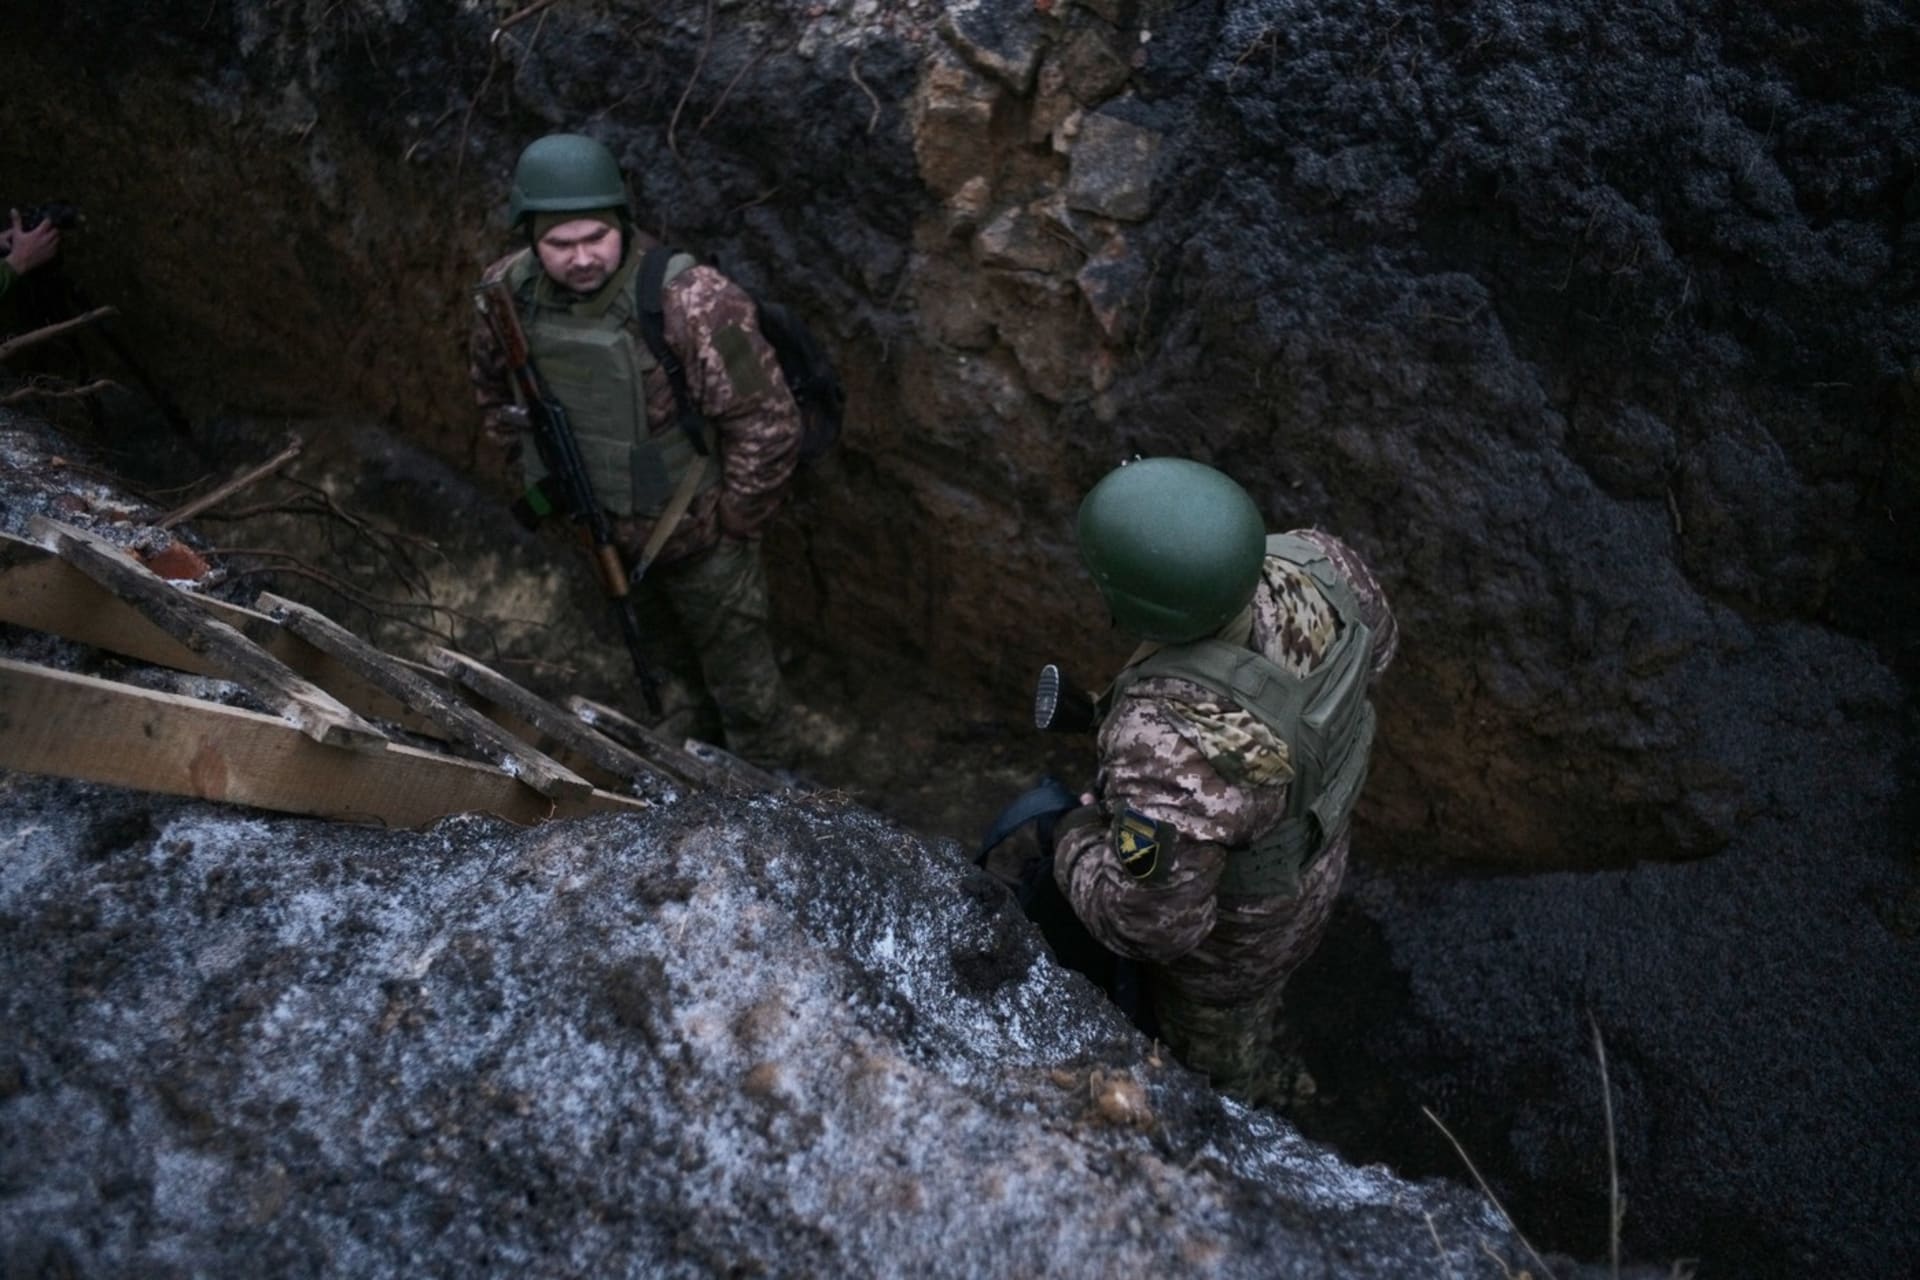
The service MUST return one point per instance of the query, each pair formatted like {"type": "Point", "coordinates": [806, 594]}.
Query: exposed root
{"type": "Point", "coordinates": [853, 71]}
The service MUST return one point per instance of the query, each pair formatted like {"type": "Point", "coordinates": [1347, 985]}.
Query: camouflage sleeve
{"type": "Point", "coordinates": [487, 371]}
{"type": "Point", "coordinates": [1373, 599]}
{"type": "Point", "coordinates": [1151, 768]}
{"type": "Point", "coordinates": [735, 382]}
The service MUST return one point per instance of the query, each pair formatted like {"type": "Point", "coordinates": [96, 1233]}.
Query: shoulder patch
{"type": "Point", "coordinates": [744, 370]}
{"type": "Point", "coordinates": [1143, 846]}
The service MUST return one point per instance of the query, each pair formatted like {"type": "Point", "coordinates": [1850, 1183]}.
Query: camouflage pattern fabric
{"type": "Point", "coordinates": [733, 378]}
{"type": "Point", "coordinates": [1170, 751]}
{"type": "Point", "coordinates": [1236, 1046]}
{"type": "Point", "coordinates": [705, 618]}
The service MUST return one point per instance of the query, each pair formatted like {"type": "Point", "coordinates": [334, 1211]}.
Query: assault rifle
{"type": "Point", "coordinates": [561, 452]}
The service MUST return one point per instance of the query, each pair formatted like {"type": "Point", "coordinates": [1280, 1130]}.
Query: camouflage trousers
{"type": "Point", "coordinates": [706, 620]}
{"type": "Point", "coordinates": [1232, 1029]}
{"type": "Point", "coordinates": [1237, 1046]}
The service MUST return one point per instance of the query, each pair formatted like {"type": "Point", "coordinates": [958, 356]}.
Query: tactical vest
{"type": "Point", "coordinates": [592, 360]}
{"type": "Point", "coordinates": [1324, 718]}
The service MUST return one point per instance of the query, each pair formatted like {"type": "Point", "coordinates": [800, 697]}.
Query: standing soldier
{"type": "Point", "coordinates": [690, 475]}
{"type": "Point", "coordinates": [1232, 749]}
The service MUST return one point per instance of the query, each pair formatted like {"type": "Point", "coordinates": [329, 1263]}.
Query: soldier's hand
{"type": "Point", "coordinates": [732, 526]}
{"type": "Point", "coordinates": [29, 249]}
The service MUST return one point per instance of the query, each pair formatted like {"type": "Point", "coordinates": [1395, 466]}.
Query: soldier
{"type": "Point", "coordinates": [1232, 748]}
{"type": "Point", "coordinates": [689, 496]}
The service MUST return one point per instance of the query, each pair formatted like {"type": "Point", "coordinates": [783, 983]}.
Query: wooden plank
{"type": "Point", "coordinates": [40, 591]}
{"type": "Point", "coordinates": [746, 775]}
{"type": "Point", "coordinates": [318, 713]}
{"type": "Point", "coordinates": [547, 745]}
{"type": "Point", "coordinates": [543, 717]}
{"type": "Point", "coordinates": [458, 721]}
{"type": "Point", "coordinates": [55, 722]}
{"type": "Point", "coordinates": [657, 747]}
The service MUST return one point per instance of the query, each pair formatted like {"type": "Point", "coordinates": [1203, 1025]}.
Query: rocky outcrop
{"type": "Point", "coordinates": [783, 1038]}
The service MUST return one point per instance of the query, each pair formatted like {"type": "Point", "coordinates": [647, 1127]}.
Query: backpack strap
{"type": "Point", "coordinates": [649, 290]}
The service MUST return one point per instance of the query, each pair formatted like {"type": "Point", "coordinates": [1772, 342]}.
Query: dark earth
{"type": "Point", "coordinates": [1596, 328]}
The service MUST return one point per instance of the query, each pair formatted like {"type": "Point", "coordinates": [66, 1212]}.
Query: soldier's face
{"type": "Point", "coordinates": [580, 255]}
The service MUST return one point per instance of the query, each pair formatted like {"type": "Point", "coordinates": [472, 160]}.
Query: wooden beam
{"type": "Point", "coordinates": [656, 746]}
{"type": "Point", "coordinates": [457, 720]}
{"type": "Point", "coordinates": [42, 592]}
{"type": "Point", "coordinates": [317, 713]}
{"type": "Point", "coordinates": [545, 718]}
{"type": "Point", "coordinates": [73, 726]}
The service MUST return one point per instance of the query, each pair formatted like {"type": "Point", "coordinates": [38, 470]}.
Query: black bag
{"type": "Point", "coordinates": [804, 363]}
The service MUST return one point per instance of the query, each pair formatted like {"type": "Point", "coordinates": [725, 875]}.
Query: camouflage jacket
{"type": "Point", "coordinates": [1177, 753]}
{"type": "Point", "coordinates": [749, 408]}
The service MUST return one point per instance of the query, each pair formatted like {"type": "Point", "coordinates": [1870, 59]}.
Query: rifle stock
{"type": "Point", "coordinates": [1061, 706]}
{"type": "Point", "coordinates": [561, 452]}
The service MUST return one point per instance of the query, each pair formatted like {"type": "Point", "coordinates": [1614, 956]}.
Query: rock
{"type": "Point", "coordinates": [1113, 168]}
{"type": "Point", "coordinates": [1003, 38]}
{"type": "Point", "coordinates": [726, 1034]}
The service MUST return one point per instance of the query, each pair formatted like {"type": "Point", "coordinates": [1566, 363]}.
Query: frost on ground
{"type": "Point", "coordinates": [777, 1035]}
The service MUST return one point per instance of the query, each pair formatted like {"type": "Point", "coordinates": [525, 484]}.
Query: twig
{"type": "Point", "coordinates": [466, 122]}
{"type": "Point", "coordinates": [1439, 1248]}
{"type": "Point", "coordinates": [392, 551]}
{"type": "Point", "coordinates": [762, 198]}
{"type": "Point", "coordinates": [853, 70]}
{"type": "Point", "coordinates": [721, 101]}
{"type": "Point", "coordinates": [526, 55]}
{"type": "Point", "coordinates": [345, 590]}
{"type": "Point", "coordinates": [515, 19]}
{"type": "Point", "coordinates": [37, 392]}
{"type": "Point", "coordinates": [356, 594]}
{"type": "Point", "coordinates": [420, 141]}
{"type": "Point", "coordinates": [395, 559]}
{"type": "Point", "coordinates": [706, 45]}
{"type": "Point", "coordinates": [1487, 1191]}
{"type": "Point", "coordinates": [244, 479]}
{"type": "Point", "coordinates": [1615, 1209]}
{"type": "Point", "coordinates": [34, 336]}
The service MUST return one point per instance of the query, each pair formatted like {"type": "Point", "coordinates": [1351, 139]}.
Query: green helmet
{"type": "Point", "coordinates": [565, 173]}
{"type": "Point", "coordinates": [1174, 546]}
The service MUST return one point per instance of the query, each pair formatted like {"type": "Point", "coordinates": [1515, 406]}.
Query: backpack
{"type": "Point", "coordinates": [804, 363]}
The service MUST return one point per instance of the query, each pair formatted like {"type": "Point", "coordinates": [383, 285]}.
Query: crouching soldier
{"type": "Point", "coordinates": [684, 424]}
{"type": "Point", "coordinates": [1232, 749]}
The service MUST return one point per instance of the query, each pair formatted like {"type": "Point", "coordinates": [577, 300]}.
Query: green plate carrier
{"type": "Point", "coordinates": [1323, 716]}
{"type": "Point", "coordinates": [590, 357]}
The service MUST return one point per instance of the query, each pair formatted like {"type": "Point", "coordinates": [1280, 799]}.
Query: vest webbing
{"type": "Point", "coordinates": [1323, 717]}
{"type": "Point", "coordinates": [586, 353]}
